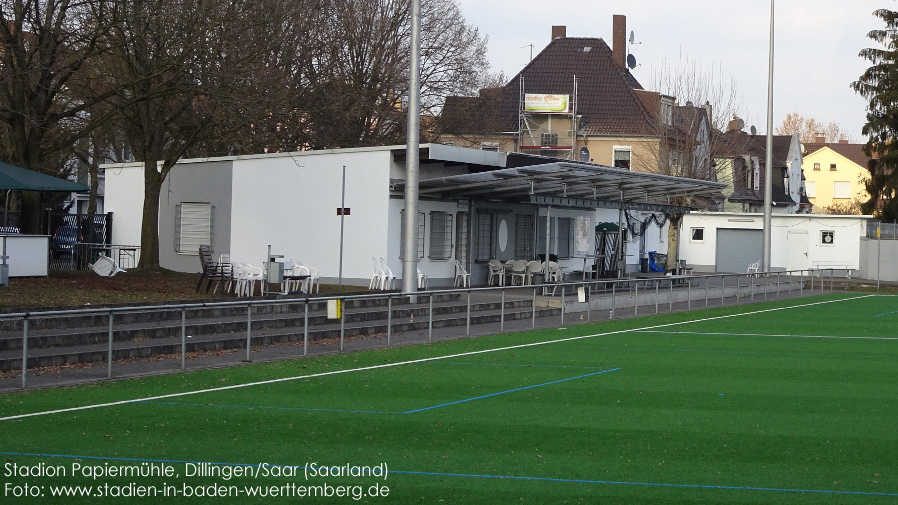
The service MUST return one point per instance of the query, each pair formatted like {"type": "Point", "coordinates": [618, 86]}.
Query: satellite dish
{"type": "Point", "coordinates": [584, 154]}
{"type": "Point", "coordinates": [632, 36]}
{"type": "Point", "coordinates": [740, 123]}
{"type": "Point", "coordinates": [631, 61]}
{"type": "Point", "coordinates": [754, 131]}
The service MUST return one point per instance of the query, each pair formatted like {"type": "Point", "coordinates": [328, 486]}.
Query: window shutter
{"type": "Point", "coordinates": [194, 227]}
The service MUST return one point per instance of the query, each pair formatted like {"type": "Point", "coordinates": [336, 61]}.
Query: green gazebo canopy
{"type": "Point", "coordinates": [18, 178]}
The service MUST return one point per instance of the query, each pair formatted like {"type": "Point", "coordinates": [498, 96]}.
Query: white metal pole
{"type": "Point", "coordinates": [410, 218]}
{"type": "Point", "coordinates": [342, 219]}
{"type": "Point", "coordinates": [768, 159]}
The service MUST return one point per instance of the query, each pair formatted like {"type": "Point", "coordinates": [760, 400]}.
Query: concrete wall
{"type": "Point", "coordinates": [208, 182]}
{"type": "Point", "coordinates": [124, 197]}
{"type": "Point", "coordinates": [879, 260]}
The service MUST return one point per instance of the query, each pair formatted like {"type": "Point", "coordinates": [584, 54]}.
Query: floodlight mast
{"type": "Point", "coordinates": [768, 159]}
{"type": "Point", "coordinates": [410, 216]}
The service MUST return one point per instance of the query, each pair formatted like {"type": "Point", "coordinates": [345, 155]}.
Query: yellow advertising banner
{"type": "Point", "coordinates": [546, 103]}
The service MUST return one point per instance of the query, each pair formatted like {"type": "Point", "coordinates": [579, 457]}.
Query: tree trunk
{"type": "Point", "coordinates": [149, 233]}
{"type": "Point", "coordinates": [31, 213]}
{"type": "Point", "coordinates": [673, 240]}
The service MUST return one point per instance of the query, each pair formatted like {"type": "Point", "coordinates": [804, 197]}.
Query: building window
{"type": "Point", "coordinates": [193, 227]}
{"type": "Point", "coordinates": [756, 174]}
{"type": "Point", "coordinates": [832, 167]}
{"type": "Point", "coordinates": [523, 236]}
{"type": "Point", "coordinates": [461, 237]}
{"type": "Point", "coordinates": [489, 146]}
{"type": "Point", "coordinates": [827, 237]}
{"type": "Point", "coordinates": [622, 157]}
{"type": "Point", "coordinates": [440, 236]}
{"type": "Point", "coordinates": [561, 236]}
{"type": "Point", "coordinates": [841, 189]}
{"type": "Point", "coordinates": [666, 109]}
{"type": "Point", "coordinates": [548, 139]}
{"type": "Point", "coordinates": [696, 234]}
{"type": "Point", "coordinates": [420, 238]}
{"type": "Point", "coordinates": [816, 166]}
{"type": "Point", "coordinates": [486, 245]}
{"type": "Point", "coordinates": [811, 188]}
{"type": "Point", "coordinates": [565, 237]}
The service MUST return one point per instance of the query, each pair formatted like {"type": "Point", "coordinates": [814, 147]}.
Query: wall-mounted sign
{"type": "Point", "coordinates": [546, 103]}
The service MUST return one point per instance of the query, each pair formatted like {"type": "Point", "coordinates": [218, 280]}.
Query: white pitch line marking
{"type": "Point", "coordinates": [423, 360]}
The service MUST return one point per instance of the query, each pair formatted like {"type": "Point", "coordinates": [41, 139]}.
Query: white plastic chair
{"type": "Point", "coordinates": [294, 285]}
{"type": "Point", "coordinates": [388, 278]}
{"type": "Point", "coordinates": [226, 273]}
{"type": "Point", "coordinates": [754, 268]}
{"type": "Point", "coordinates": [497, 273]}
{"type": "Point", "coordinates": [106, 266]}
{"type": "Point", "coordinates": [554, 273]}
{"type": "Point", "coordinates": [246, 276]}
{"type": "Point", "coordinates": [377, 277]}
{"type": "Point", "coordinates": [533, 268]}
{"type": "Point", "coordinates": [313, 283]}
{"type": "Point", "coordinates": [462, 277]}
{"type": "Point", "coordinates": [422, 280]}
{"type": "Point", "coordinates": [519, 271]}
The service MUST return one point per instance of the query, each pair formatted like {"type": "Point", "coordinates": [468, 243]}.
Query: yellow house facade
{"type": "Point", "coordinates": [835, 174]}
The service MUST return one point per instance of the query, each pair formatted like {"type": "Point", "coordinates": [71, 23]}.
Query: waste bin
{"type": "Point", "coordinates": [644, 264]}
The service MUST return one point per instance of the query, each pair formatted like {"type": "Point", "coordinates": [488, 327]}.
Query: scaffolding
{"type": "Point", "coordinates": [548, 133]}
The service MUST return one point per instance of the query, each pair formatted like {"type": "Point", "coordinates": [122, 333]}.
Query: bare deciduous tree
{"type": "Point", "coordinates": [189, 76]}
{"type": "Point", "coordinates": [46, 45]}
{"type": "Point", "coordinates": [808, 129]}
{"type": "Point", "coordinates": [690, 139]}
{"type": "Point", "coordinates": [357, 80]}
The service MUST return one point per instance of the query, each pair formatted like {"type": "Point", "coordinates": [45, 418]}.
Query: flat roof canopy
{"type": "Point", "coordinates": [571, 185]}
{"type": "Point", "coordinates": [18, 178]}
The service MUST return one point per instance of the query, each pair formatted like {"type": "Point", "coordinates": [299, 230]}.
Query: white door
{"type": "Point", "coordinates": [797, 250]}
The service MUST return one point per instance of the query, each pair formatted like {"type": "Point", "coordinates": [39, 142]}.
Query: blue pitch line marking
{"type": "Point", "coordinates": [886, 313]}
{"type": "Point", "coordinates": [477, 476]}
{"type": "Point", "coordinates": [510, 391]}
{"type": "Point", "coordinates": [522, 366]}
{"type": "Point", "coordinates": [377, 411]}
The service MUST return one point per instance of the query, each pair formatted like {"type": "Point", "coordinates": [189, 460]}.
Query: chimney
{"type": "Point", "coordinates": [733, 125]}
{"type": "Point", "coordinates": [821, 138]}
{"type": "Point", "coordinates": [559, 32]}
{"type": "Point", "coordinates": [843, 141]}
{"type": "Point", "coordinates": [619, 40]}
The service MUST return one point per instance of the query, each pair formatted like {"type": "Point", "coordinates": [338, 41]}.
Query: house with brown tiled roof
{"type": "Point", "coordinates": [578, 100]}
{"type": "Point", "coordinates": [836, 175]}
{"type": "Point", "coordinates": [746, 160]}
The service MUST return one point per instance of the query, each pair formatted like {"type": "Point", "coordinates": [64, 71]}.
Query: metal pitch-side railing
{"type": "Point", "coordinates": [24, 335]}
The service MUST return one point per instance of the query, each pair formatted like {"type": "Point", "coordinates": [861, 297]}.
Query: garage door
{"type": "Point", "coordinates": [736, 249]}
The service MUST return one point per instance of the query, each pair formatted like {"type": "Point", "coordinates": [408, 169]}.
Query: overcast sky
{"type": "Point", "coordinates": [816, 46]}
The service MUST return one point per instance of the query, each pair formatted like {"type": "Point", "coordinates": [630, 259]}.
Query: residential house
{"type": "Point", "coordinates": [577, 99]}
{"type": "Point", "coordinates": [745, 159]}
{"type": "Point", "coordinates": [836, 175]}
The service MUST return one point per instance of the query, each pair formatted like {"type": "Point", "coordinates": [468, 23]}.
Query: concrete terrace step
{"type": "Point", "coordinates": [70, 334]}
{"type": "Point", "coordinates": [264, 335]}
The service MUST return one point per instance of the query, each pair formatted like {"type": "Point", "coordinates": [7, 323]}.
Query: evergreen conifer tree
{"type": "Point", "coordinates": [879, 85]}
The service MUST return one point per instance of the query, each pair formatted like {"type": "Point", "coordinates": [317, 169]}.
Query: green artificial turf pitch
{"type": "Point", "coordinates": [786, 402]}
